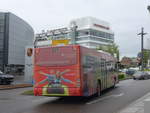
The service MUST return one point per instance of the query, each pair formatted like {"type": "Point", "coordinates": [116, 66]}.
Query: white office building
{"type": "Point", "coordinates": [90, 32]}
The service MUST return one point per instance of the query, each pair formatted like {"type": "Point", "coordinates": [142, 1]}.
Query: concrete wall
{"type": "Point", "coordinates": [29, 65]}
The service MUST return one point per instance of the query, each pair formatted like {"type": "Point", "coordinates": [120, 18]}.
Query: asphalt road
{"type": "Point", "coordinates": [126, 92]}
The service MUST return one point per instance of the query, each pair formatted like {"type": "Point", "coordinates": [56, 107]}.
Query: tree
{"type": "Point", "coordinates": [113, 49]}
{"type": "Point", "coordinates": [146, 56]}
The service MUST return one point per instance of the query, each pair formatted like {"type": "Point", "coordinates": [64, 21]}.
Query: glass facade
{"type": "Point", "coordinates": [2, 24]}
{"type": "Point", "coordinates": [15, 35]}
{"type": "Point", "coordinates": [19, 38]}
{"type": "Point", "coordinates": [93, 38]}
{"type": "Point", "coordinates": [95, 33]}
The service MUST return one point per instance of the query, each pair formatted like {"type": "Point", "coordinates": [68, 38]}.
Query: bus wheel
{"type": "Point", "coordinates": [98, 88]}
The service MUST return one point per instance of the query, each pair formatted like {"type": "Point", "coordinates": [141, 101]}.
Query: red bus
{"type": "Point", "coordinates": [72, 70]}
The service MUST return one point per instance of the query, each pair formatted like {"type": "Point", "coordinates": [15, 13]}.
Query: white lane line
{"type": "Point", "coordinates": [119, 95]}
{"type": "Point", "coordinates": [104, 98]}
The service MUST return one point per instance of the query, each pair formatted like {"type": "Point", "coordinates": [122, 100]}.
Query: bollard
{"type": "Point", "coordinates": [147, 106]}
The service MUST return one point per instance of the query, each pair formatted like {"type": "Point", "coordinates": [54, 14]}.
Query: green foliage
{"type": "Point", "coordinates": [146, 56]}
{"type": "Point", "coordinates": [121, 76]}
{"type": "Point", "coordinates": [112, 49]}
{"type": "Point", "coordinates": [146, 69]}
{"type": "Point", "coordinates": [28, 92]}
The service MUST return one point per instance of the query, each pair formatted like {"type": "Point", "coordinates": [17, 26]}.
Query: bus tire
{"type": "Point", "coordinates": [98, 88]}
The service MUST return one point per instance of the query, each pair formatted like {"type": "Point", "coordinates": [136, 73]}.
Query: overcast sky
{"type": "Point", "coordinates": [126, 17]}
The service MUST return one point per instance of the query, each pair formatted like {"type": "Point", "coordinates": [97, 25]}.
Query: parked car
{"type": "Point", "coordinates": [5, 79]}
{"type": "Point", "coordinates": [141, 75]}
{"type": "Point", "coordinates": [124, 70]}
{"type": "Point", "coordinates": [130, 71]}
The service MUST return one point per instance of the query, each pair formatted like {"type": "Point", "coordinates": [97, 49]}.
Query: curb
{"type": "Point", "coordinates": [6, 87]}
{"type": "Point", "coordinates": [133, 104]}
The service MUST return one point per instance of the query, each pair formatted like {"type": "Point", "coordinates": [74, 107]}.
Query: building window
{"type": "Point", "coordinates": [94, 39]}
{"type": "Point", "coordinates": [83, 32]}
{"type": "Point", "coordinates": [2, 22]}
{"type": "Point", "coordinates": [1, 29]}
{"type": "Point", "coordinates": [95, 33]}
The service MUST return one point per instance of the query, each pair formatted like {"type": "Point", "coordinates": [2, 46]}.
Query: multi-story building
{"type": "Point", "coordinates": [90, 32]}
{"type": "Point", "coordinates": [45, 38]}
{"type": "Point", "coordinates": [130, 62]}
{"type": "Point", "coordinates": [15, 35]}
{"type": "Point", "coordinates": [126, 61]}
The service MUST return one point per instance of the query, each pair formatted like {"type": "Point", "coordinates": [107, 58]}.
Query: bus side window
{"type": "Point", "coordinates": [85, 64]}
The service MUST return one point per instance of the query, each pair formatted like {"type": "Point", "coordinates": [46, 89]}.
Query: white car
{"type": "Point", "coordinates": [141, 75]}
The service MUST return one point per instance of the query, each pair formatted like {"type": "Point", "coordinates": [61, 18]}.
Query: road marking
{"type": "Point", "coordinates": [119, 95]}
{"type": "Point", "coordinates": [104, 98]}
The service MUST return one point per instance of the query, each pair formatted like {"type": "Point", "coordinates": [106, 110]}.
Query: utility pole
{"type": "Point", "coordinates": [142, 47]}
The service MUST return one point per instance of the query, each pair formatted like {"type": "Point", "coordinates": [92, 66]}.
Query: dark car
{"type": "Point", "coordinates": [5, 79]}
{"type": "Point", "coordinates": [130, 71]}
{"type": "Point", "coordinates": [140, 75]}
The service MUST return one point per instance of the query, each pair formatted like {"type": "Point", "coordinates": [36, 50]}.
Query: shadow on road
{"type": "Point", "coordinates": [79, 100]}
{"type": "Point", "coordinates": [67, 104]}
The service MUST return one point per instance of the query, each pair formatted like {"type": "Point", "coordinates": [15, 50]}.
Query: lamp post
{"type": "Point", "coordinates": [142, 47]}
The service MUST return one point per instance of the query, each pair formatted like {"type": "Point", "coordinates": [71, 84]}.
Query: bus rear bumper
{"type": "Point", "coordinates": [45, 91]}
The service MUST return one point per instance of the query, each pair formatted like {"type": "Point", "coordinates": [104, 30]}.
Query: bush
{"type": "Point", "coordinates": [121, 76]}
{"type": "Point", "coordinates": [146, 69]}
{"type": "Point", "coordinates": [28, 92]}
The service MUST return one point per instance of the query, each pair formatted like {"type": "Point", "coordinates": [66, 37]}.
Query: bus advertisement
{"type": "Point", "coordinates": [72, 70]}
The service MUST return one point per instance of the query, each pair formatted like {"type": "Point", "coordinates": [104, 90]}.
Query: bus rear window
{"type": "Point", "coordinates": [56, 56]}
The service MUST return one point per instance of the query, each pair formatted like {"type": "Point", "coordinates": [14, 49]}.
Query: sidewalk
{"type": "Point", "coordinates": [18, 79]}
{"type": "Point", "coordinates": [18, 83]}
{"type": "Point", "coordinates": [137, 106]}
